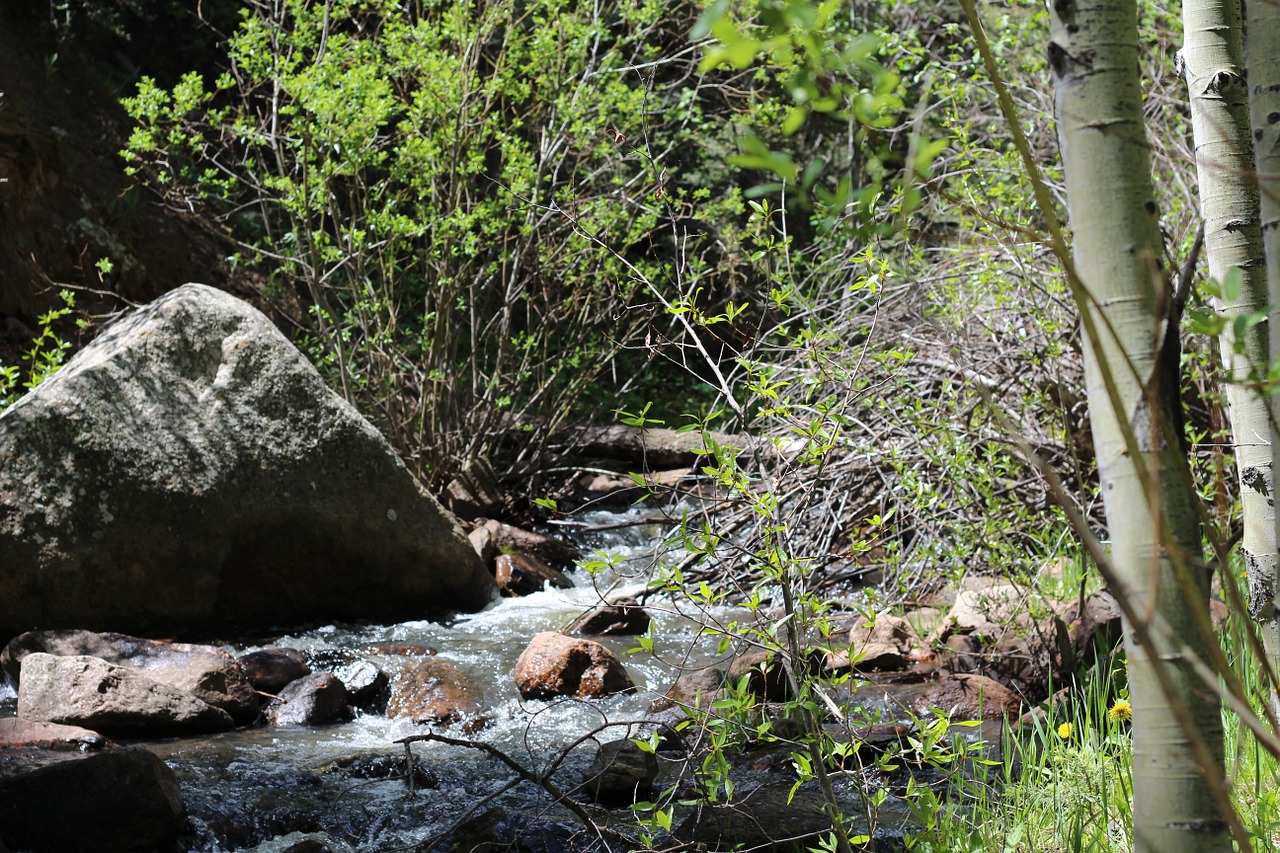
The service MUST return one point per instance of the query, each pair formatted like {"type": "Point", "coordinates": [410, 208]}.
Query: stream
{"type": "Point", "coordinates": [246, 787]}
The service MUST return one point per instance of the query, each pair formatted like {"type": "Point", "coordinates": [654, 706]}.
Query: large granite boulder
{"type": "Point", "coordinates": [190, 470]}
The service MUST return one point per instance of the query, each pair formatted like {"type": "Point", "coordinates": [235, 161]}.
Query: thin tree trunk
{"type": "Point", "coordinates": [1131, 363]}
{"type": "Point", "coordinates": [1262, 59]}
{"type": "Point", "coordinates": [1213, 60]}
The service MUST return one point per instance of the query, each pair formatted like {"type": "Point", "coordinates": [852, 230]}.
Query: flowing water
{"type": "Point", "coordinates": [248, 786]}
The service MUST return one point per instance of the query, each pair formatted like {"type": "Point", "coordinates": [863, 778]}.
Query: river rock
{"type": "Point", "coordinates": [312, 700]}
{"type": "Point", "coordinates": [118, 800]}
{"type": "Point", "coordinates": [303, 842]}
{"type": "Point", "coordinates": [1006, 633]}
{"type": "Point", "coordinates": [521, 574]}
{"type": "Point", "coordinates": [208, 673]}
{"type": "Point", "coordinates": [621, 774]}
{"type": "Point", "coordinates": [555, 665]}
{"type": "Point", "coordinates": [368, 685]}
{"type": "Point", "coordinates": [694, 688]}
{"type": "Point", "coordinates": [17, 733]}
{"type": "Point", "coordinates": [491, 538]}
{"type": "Point", "coordinates": [86, 691]}
{"type": "Point", "coordinates": [190, 470]}
{"type": "Point", "coordinates": [271, 670]}
{"type": "Point", "coordinates": [883, 643]}
{"type": "Point", "coordinates": [968, 696]}
{"type": "Point", "coordinates": [622, 616]}
{"type": "Point", "coordinates": [771, 817]}
{"type": "Point", "coordinates": [434, 691]}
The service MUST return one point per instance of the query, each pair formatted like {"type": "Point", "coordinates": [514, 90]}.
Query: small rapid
{"type": "Point", "coordinates": [247, 786]}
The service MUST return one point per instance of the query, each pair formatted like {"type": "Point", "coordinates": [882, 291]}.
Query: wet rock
{"type": "Point", "coordinates": [621, 774]}
{"type": "Point", "coordinates": [556, 665]}
{"type": "Point", "coordinates": [502, 830]}
{"type": "Point", "coordinates": [434, 691]}
{"type": "Point", "coordinates": [521, 574]}
{"type": "Point", "coordinates": [768, 818]}
{"type": "Point", "coordinates": [17, 733]}
{"type": "Point", "coordinates": [399, 650]}
{"type": "Point", "coordinates": [312, 700]}
{"type": "Point", "coordinates": [208, 673]}
{"type": "Point", "coordinates": [86, 691]}
{"type": "Point", "coordinates": [270, 670]}
{"type": "Point", "coordinates": [967, 696]}
{"type": "Point", "coordinates": [118, 800]}
{"type": "Point", "coordinates": [694, 688]}
{"type": "Point", "coordinates": [189, 470]}
{"type": "Point", "coordinates": [621, 616]}
{"type": "Point", "coordinates": [493, 538]}
{"type": "Point", "coordinates": [303, 842]}
{"type": "Point", "coordinates": [368, 686]}
{"type": "Point", "coordinates": [382, 765]}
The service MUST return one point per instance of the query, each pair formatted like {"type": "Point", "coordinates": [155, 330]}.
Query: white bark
{"type": "Point", "coordinates": [1262, 59]}
{"type": "Point", "coordinates": [1132, 380]}
{"type": "Point", "coordinates": [1213, 60]}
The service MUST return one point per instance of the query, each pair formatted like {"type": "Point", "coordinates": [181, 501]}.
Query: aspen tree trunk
{"type": "Point", "coordinates": [1131, 365]}
{"type": "Point", "coordinates": [1262, 58]}
{"type": "Point", "coordinates": [1213, 60]}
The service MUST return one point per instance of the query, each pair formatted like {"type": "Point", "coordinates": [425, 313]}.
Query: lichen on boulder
{"type": "Point", "coordinates": [190, 470]}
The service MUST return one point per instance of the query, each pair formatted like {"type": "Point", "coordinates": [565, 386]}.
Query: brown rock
{"type": "Point", "coordinates": [884, 643]}
{"type": "Point", "coordinates": [493, 537]}
{"type": "Point", "coordinates": [434, 691]}
{"type": "Point", "coordinates": [520, 574]}
{"type": "Point", "coordinates": [114, 801]}
{"type": "Point", "coordinates": [694, 688]}
{"type": "Point", "coordinates": [312, 700]}
{"type": "Point", "coordinates": [621, 616]}
{"type": "Point", "coordinates": [270, 670]}
{"type": "Point", "coordinates": [556, 665]}
{"type": "Point", "coordinates": [17, 733]}
{"type": "Point", "coordinates": [208, 673]}
{"type": "Point", "coordinates": [87, 691]}
{"type": "Point", "coordinates": [1099, 627]}
{"type": "Point", "coordinates": [968, 697]}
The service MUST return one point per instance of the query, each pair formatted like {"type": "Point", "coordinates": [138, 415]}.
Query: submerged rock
{"type": "Point", "coordinates": [86, 691]}
{"type": "Point", "coordinates": [119, 800]}
{"type": "Point", "coordinates": [556, 665]}
{"type": "Point", "coordinates": [189, 469]}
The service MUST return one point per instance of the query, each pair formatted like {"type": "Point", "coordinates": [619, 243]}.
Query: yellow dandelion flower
{"type": "Point", "coordinates": [1065, 730]}
{"type": "Point", "coordinates": [1121, 711]}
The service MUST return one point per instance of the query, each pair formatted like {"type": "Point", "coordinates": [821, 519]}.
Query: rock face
{"type": "Point", "coordinates": [189, 469]}
{"type": "Point", "coordinates": [118, 800]}
{"type": "Point", "coordinates": [85, 691]}
{"type": "Point", "coordinates": [556, 665]}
